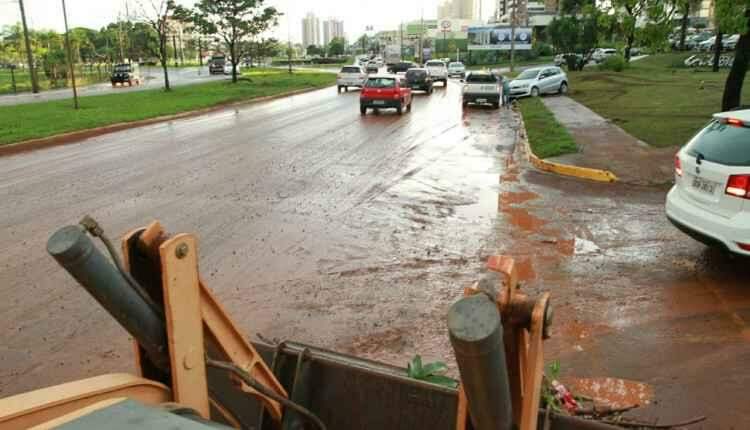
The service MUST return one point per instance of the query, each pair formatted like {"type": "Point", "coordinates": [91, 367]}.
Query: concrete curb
{"type": "Point", "coordinates": [589, 173]}
{"type": "Point", "coordinates": [75, 136]}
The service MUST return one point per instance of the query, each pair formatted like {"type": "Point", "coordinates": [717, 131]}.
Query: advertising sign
{"type": "Point", "coordinates": [498, 37]}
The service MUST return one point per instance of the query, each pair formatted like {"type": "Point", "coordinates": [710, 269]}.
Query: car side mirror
{"type": "Point", "coordinates": [462, 81]}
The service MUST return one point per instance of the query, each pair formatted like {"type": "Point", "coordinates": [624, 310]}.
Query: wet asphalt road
{"type": "Point", "coordinates": [153, 77]}
{"type": "Point", "coordinates": [356, 234]}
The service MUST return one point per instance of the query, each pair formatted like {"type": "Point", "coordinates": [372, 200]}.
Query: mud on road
{"type": "Point", "coordinates": [357, 233]}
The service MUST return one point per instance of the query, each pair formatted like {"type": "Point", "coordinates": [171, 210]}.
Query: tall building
{"type": "Point", "coordinates": [310, 30]}
{"type": "Point", "coordinates": [457, 9]}
{"type": "Point", "coordinates": [332, 28]}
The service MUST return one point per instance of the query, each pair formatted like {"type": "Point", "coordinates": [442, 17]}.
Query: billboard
{"type": "Point", "coordinates": [498, 37]}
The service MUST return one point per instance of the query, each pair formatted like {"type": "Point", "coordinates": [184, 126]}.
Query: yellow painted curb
{"type": "Point", "coordinates": [589, 173]}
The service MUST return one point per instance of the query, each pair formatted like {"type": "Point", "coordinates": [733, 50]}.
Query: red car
{"type": "Point", "coordinates": [384, 92]}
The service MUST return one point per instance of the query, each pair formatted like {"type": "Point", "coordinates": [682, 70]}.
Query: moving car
{"type": "Point", "coordinates": [125, 74]}
{"type": "Point", "coordinates": [350, 76]}
{"type": "Point", "coordinates": [457, 68]}
{"type": "Point", "coordinates": [481, 88]}
{"type": "Point", "coordinates": [601, 54]}
{"type": "Point", "coordinates": [539, 80]}
{"type": "Point", "coordinates": [419, 79]}
{"type": "Point", "coordinates": [228, 68]}
{"type": "Point", "coordinates": [216, 64]}
{"type": "Point", "coordinates": [710, 200]}
{"type": "Point", "coordinates": [401, 67]}
{"type": "Point", "coordinates": [384, 92]}
{"type": "Point", "coordinates": [372, 67]}
{"type": "Point", "coordinates": [439, 71]}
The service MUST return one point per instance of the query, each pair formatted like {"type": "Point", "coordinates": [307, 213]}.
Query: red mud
{"type": "Point", "coordinates": [615, 392]}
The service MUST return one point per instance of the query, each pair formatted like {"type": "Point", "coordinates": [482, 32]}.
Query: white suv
{"type": "Point", "coordinates": [350, 76]}
{"type": "Point", "coordinates": [438, 70]}
{"type": "Point", "coordinates": [601, 54]}
{"type": "Point", "coordinates": [710, 200]}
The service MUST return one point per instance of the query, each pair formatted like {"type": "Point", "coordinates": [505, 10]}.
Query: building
{"type": "Point", "coordinates": [310, 30]}
{"type": "Point", "coordinates": [458, 9]}
{"type": "Point", "coordinates": [528, 13]}
{"type": "Point", "coordinates": [332, 28]}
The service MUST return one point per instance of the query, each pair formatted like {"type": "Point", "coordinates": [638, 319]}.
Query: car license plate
{"type": "Point", "coordinates": [703, 185]}
{"type": "Point", "coordinates": [481, 100]}
{"type": "Point", "coordinates": [378, 102]}
{"type": "Point", "coordinates": [488, 88]}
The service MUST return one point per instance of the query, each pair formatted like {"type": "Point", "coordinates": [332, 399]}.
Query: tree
{"type": "Point", "coordinates": [564, 33]}
{"type": "Point", "coordinates": [336, 46]}
{"type": "Point", "coordinates": [158, 17]}
{"type": "Point", "coordinates": [630, 11]}
{"type": "Point", "coordinates": [734, 16]}
{"type": "Point", "coordinates": [685, 7]}
{"type": "Point", "coordinates": [233, 21]}
{"type": "Point", "coordinates": [314, 50]}
{"type": "Point", "coordinates": [263, 48]}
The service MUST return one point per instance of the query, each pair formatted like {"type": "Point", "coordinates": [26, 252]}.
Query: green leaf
{"type": "Point", "coordinates": [435, 368]}
{"type": "Point", "coordinates": [414, 368]}
{"type": "Point", "coordinates": [441, 380]}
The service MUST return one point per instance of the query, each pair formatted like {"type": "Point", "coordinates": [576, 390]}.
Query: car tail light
{"type": "Point", "coordinates": [396, 95]}
{"type": "Point", "coordinates": [677, 165]}
{"type": "Point", "coordinates": [739, 186]}
{"type": "Point", "coordinates": [735, 122]}
{"type": "Point", "coordinates": [744, 246]}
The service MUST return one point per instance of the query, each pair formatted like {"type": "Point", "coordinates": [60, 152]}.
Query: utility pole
{"type": "Point", "coordinates": [401, 36]}
{"type": "Point", "coordinates": [29, 56]}
{"type": "Point", "coordinates": [70, 57]}
{"type": "Point", "coordinates": [421, 37]}
{"type": "Point", "coordinates": [174, 47]}
{"type": "Point", "coordinates": [512, 33]}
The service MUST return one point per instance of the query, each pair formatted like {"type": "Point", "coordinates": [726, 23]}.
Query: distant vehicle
{"type": "Point", "coordinates": [539, 80]}
{"type": "Point", "coordinates": [379, 61]}
{"type": "Point", "coordinates": [439, 71]}
{"type": "Point", "coordinates": [457, 68]}
{"type": "Point", "coordinates": [384, 92]}
{"type": "Point", "coordinates": [372, 67]}
{"type": "Point", "coordinates": [419, 79]}
{"type": "Point", "coordinates": [730, 43]}
{"type": "Point", "coordinates": [710, 200]}
{"type": "Point", "coordinates": [401, 67]}
{"type": "Point", "coordinates": [392, 54]}
{"type": "Point", "coordinates": [562, 59]}
{"type": "Point", "coordinates": [351, 76]}
{"type": "Point", "coordinates": [601, 54]}
{"type": "Point", "coordinates": [216, 64]}
{"type": "Point", "coordinates": [692, 42]}
{"type": "Point", "coordinates": [228, 68]}
{"type": "Point", "coordinates": [481, 88]}
{"type": "Point", "coordinates": [125, 74]}
{"type": "Point", "coordinates": [362, 61]}
{"type": "Point", "coordinates": [708, 44]}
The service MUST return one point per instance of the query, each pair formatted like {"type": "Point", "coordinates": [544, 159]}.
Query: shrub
{"type": "Point", "coordinates": [615, 63]}
{"type": "Point", "coordinates": [544, 49]}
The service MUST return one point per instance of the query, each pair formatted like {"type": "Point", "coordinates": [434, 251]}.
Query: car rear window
{"type": "Point", "coordinates": [435, 64]}
{"type": "Point", "coordinates": [415, 73]}
{"type": "Point", "coordinates": [350, 70]}
{"type": "Point", "coordinates": [482, 79]}
{"type": "Point", "coordinates": [455, 65]}
{"type": "Point", "coordinates": [381, 83]}
{"type": "Point", "coordinates": [722, 143]}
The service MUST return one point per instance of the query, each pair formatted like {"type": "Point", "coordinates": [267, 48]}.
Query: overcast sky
{"type": "Point", "coordinates": [356, 14]}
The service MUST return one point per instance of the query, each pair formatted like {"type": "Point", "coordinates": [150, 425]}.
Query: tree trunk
{"type": "Point", "coordinates": [717, 51]}
{"type": "Point", "coordinates": [629, 45]}
{"type": "Point", "coordinates": [684, 26]}
{"type": "Point", "coordinates": [233, 59]}
{"type": "Point", "coordinates": [736, 78]}
{"type": "Point", "coordinates": [164, 59]}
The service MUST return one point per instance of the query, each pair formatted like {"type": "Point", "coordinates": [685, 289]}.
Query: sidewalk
{"type": "Point", "coordinates": [603, 145]}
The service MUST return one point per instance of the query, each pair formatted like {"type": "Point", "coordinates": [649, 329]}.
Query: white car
{"type": "Point", "coordinates": [539, 80]}
{"type": "Point", "coordinates": [350, 76]}
{"type": "Point", "coordinates": [379, 61]}
{"type": "Point", "coordinates": [456, 68]}
{"type": "Point", "coordinates": [730, 43]}
{"type": "Point", "coordinates": [438, 70]}
{"type": "Point", "coordinates": [481, 88]}
{"type": "Point", "coordinates": [228, 68]}
{"type": "Point", "coordinates": [710, 200]}
{"type": "Point", "coordinates": [601, 54]}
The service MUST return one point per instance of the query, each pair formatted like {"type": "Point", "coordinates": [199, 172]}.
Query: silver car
{"type": "Point", "coordinates": [539, 80]}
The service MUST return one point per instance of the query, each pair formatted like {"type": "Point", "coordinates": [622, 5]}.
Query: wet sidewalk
{"type": "Point", "coordinates": [603, 145]}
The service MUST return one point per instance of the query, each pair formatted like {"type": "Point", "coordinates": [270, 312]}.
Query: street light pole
{"type": "Point", "coordinates": [512, 33]}
{"type": "Point", "coordinates": [29, 56]}
{"type": "Point", "coordinates": [70, 57]}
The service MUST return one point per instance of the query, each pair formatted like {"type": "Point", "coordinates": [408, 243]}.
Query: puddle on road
{"type": "Point", "coordinates": [614, 392]}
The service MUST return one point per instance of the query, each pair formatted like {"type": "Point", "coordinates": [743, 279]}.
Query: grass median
{"type": "Point", "coordinates": [36, 120]}
{"type": "Point", "coordinates": [656, 99]}
{"type": "Point", "coordinates": [547, 137]}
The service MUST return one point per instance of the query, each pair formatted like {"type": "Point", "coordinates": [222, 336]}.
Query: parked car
{"type": "Point", "coordinates": [539, 80]}
{"type": "Point", "coordinates": [401, 67]}
{"type": "Point", "coordinates": [481, 88]}
{"type": "Point", "coordinates": [439, 71]}
{"type": "Point", "coordinates": [601, 54]}
{"type": "Point", "coordinates": [419, 79]}
{"type": "Point", "coordinates": [350, 76]}
{"type": "Point", "coordinates": [456, 68]}
{"type": "Point", "coordinates": [730, 43]}
{"type": "Point", "coordinates": [372, 67]}
{"type": "Point", "coordinates": [562, 59]}
{"type": "Point", "coordinates": [384, 92]}
{"type": "Point", "coordinates": [710, 200]}
{"type": "Point", "coordinates": [125, 74]}
{"type": "Point", "coordinates": [216, 64]}
{"type": "Point", "coordinates": [228, 68]}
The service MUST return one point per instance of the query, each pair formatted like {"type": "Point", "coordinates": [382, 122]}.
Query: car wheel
{"type": "Point", "coordinates": [563, 88]}
{"type": "Point", "coordinates": [346, 89]}
{"type": "Point", "coordinates": [431, 90]}
{"type": "Point", "coordinates": [130, 83]}
{"type": "Point", "coordinates": [408, 107]}
{"type": "Point", "coordinates": [339, 89]}
{"type": "Point", "coordinates": [400, 110]}
{"type": "Point", "coordinates": [535, 92]}
{"type": "Point", "coordinates": [362, 109]}
{"type": "Point", "coordinates": [464, 104]}
{"type": "Point", "coordinates": [495, 105]}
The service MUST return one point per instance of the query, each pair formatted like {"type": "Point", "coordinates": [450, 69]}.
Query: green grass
{"type": "Point", "coordinates": [84, 76]}
{"type": "Point", "coordinates": [654, 101]}
{"type": "Point", "coordinates": [35, 120]}
{"type": "Point", "coordinates": [547, 137]}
